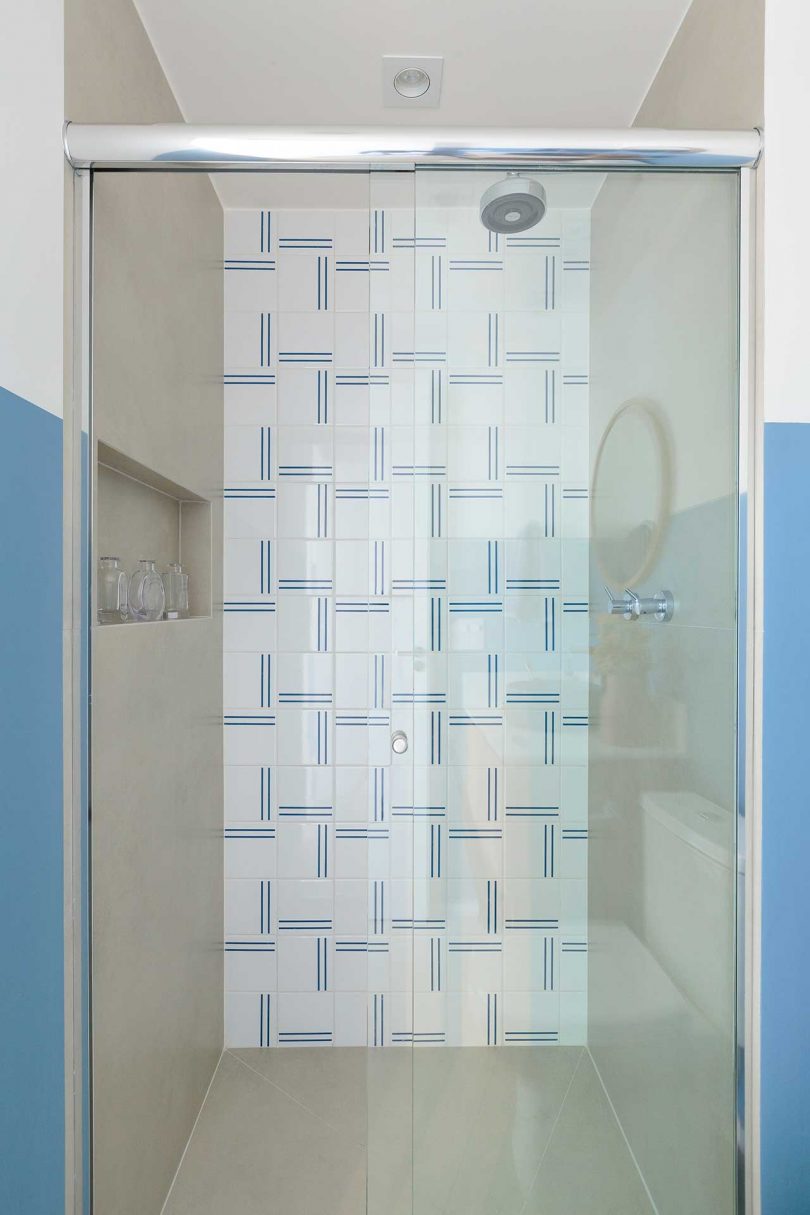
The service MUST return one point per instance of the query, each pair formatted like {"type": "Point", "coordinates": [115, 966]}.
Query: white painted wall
{"type": "Point", "coordinates": [786, 191]}
{"type": "Point", "coordinates": [31, 201]}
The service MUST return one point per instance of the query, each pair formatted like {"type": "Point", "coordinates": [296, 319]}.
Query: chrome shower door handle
{"type": "Point", "coordinates": [633, 606]}
{"type": "Point", "coordinates": [399, 742]}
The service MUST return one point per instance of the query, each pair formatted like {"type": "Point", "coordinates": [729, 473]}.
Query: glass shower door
{"type": "Point", "coordinates": [467, 474]}
{"type": "Point", "coordinates": [394, 660]}
{"type": "Point", "coordinates": [572, 933]}
{"type": "Point", "coordinates": [500, 528]}
{"type": "Point", "coordinates": [663, 704]}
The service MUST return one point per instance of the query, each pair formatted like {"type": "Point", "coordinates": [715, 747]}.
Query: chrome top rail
{"type": "Point", "coordinates": [240, 149]}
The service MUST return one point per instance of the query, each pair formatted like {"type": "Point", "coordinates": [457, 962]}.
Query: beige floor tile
{"type": "Point", "coordinates": [332, 1084]}
{"type": "Point", "coordinates": [506, 1135]}
{"type": "Point", "coordinates": [514, 1131]}
{"type": "Point", "coordinates": [587, 1168]}
{"type": "Point", "coordinates": [449, 1086]}
{"type": "Point", "coordinates": [255, 1151]}
{"type": "Point", "coordinates": [389, 1078]}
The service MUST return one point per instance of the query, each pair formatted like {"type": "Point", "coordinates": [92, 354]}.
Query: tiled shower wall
{"type": "Point", "coordinates": [406, 549]}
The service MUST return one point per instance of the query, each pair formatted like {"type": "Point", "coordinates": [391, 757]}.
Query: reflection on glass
{"type": "Point", "coordinates": [630, 493]}
{"type": "Point", "coordinates": [662, 748]}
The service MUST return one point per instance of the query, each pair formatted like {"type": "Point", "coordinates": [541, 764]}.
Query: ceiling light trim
{"type": "Point", "coordinates": [395, 66]}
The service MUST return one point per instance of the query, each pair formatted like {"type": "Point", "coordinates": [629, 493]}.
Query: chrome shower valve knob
{"type": "Point", "coordinates": [632, 606]}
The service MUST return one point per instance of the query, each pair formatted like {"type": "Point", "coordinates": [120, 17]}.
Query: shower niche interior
{"type": "Point", "coordinates": [141, 513]}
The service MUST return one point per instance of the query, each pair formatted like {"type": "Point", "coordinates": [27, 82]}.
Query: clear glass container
{"type": "Point", "coordinates": [112, 591]}
{"type": "Point", "coordinates": [146, 595]}
{"type": "Point", "coordinates": [175, 586]}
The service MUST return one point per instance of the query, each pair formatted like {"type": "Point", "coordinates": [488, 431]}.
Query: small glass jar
{"type": "Point", "coordinates": [112, 591]}
{"type": "Point", "coordinates": [146, 594]}
{"type": "Point", "coordinates": [175, 586]}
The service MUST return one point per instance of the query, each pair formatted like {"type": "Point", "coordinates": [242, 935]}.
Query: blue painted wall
{"type": "Point", "coordinates": [31, 922]}
{"type": "Point", "coordinates": [785, 1110]}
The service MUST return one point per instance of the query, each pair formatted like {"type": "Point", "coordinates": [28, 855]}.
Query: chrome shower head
{"type": "Point", "coordinates": [513, 205]}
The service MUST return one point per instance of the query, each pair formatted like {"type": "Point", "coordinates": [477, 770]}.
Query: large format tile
{"type": "Point", "coordinates": [390, 1131]}
{"type": "Point", "coordinates": [331, 1084]}
{"type": "Point", "coordinates": [156, 729]}
{"type": "Point", "coordinates": [449, 1088]}
{"type": "Point", "coordinates": [156, 883]}
{"type": "Point", "coordinates": [512, 1131]}
{"type": "Point", "coordinates": [587, 1168]}
{"type": "Point", "coordinates": [256, 1151]}
{"type": "Point", "coordinates": [507, 1132]}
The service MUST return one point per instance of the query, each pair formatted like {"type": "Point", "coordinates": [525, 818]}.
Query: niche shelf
{"type": "Point", "coordinates": [140, 513]}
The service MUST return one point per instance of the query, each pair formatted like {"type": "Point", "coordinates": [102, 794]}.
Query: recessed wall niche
{"type": "Point", "coordinates": [140, 513]}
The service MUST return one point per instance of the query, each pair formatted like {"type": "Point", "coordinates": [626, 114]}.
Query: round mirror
{"type": "Point", "coordinates": [630, 495]}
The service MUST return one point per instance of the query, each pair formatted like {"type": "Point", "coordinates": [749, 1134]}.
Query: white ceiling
{"type": "Point", "coordinates": [511, 63]}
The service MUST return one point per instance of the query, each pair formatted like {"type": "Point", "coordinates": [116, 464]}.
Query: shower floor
{"type": "Point", "coordinates": [342, 1131]}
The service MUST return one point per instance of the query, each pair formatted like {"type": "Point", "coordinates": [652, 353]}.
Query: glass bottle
{"type": "Point", "coordinates": [175, 585]}
{"type": "Point", "coordinates": [146, 595]}
{"type": "Point", "coordinates": [112, 591]}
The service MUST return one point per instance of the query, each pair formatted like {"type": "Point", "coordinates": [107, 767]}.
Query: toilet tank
{"type": "Point", "coordinates": [688, 897]}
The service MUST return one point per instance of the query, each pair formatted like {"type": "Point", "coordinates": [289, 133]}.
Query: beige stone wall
{"type": "Point", "coordinates": [157, 692]}
{"type": "Point", "coordinates": [712, 76]}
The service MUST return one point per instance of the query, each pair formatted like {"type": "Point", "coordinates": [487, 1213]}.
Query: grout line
{"type": "Point", "coordinates": [191, 1135]}
{"type": "Point", "coordinates": [623, 1134]}
{"type": "Point", "coordinates": [552, 1131]}
{"type": "Point", "coordinates": [295, 1100]}
{"type": "Point", "coordinates": [164, 493]}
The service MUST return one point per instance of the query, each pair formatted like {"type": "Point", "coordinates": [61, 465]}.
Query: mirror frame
{"type": "Point", "coordinates": [648, 411]}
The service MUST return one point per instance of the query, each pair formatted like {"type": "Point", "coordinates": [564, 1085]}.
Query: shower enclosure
{"type": "Point", "coordinates": [462, 684]}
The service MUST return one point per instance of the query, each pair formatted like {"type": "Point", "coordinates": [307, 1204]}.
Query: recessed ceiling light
{"type": "Point", "coordinates": [411, 82]}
